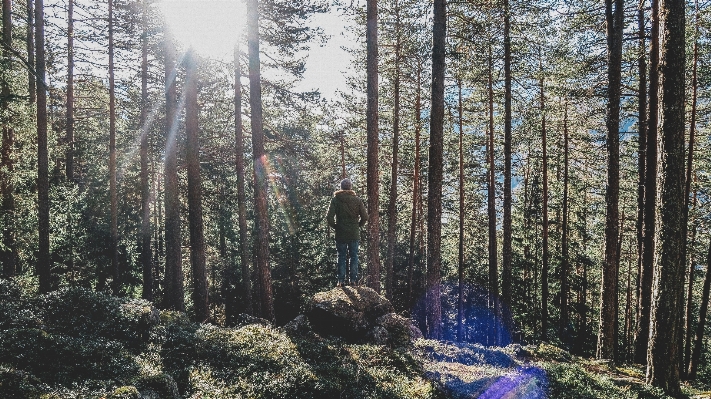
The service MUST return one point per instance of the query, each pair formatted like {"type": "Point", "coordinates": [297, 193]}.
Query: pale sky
{"type": "Point", "coordinates": [211, 26]}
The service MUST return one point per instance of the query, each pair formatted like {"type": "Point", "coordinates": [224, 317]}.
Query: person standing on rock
{"type": "Point", "coordinates": [347, 214]}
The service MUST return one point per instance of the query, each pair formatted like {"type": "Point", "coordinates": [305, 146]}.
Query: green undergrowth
{"type": "Point", "coordinates": [75, 343]}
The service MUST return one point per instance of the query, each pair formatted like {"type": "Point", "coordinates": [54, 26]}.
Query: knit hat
{"type": "Point", "coordinates": [346, 184]}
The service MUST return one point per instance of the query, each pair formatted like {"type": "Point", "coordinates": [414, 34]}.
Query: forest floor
{"type": "Point", "coordinates": [76, 343]}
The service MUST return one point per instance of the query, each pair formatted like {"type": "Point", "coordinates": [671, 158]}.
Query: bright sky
{"type": "Point", "coordinates": [211, 27]}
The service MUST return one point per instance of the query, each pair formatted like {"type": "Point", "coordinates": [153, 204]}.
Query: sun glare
{"type": "Point", "coordinates": [211, 27]}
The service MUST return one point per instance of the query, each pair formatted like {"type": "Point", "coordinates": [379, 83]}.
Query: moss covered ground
{"type": "Point", "coordinates": [75, 343]}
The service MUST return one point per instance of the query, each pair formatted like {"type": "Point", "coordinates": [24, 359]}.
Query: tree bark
{"type": "Point", "coordinates": [146, 251]}
{"type": "Point", "coordinates": [192, 157]}
{"type": "Point", "coordinates": [261, 242]}
{"type": "Point", "coordinates": [507, 273]}
{"type": "Point", "coordinates": [8, 255]}
{"type": "Point", "coordinates": [241, 205]}
{"type": "Point", "coordinates": [664, 351]}
{"type": "Point", "coordinates": [416, 199]}
{"type": "Point", "coordinates": [173, 256]}
{"type": "Point", "coordinates": [607, 335]}
{"type": "Point", "coordinates": [544, 216]}
{"type": "Point", "coordinates": [460, 269]}
{"type": "Point", "coordinates": [641, 155]}
{"type": "Point", "coordinates": [491, 183]}
{"type": "Point", "coordinates": [115, 268]}
{"type": "Point", "coordinates": [650, 200]}
{"type": "Point", "coordinates": [69, 137]}
{"type": "Point", "coordinates": [703, 310]}
{"type": "Point", "coordinates": [434, 184]}
{"type": "Point", "coordinates": [31, 79]}
{"type": "Point", "coordinates": [565, 261]}
{"type": "Point", "coordinates": [373, 182]}
{"type": "Point", "coordinates": [392, 205]}
{"type": "Point", "coordinates": [687, 192]}
{"type": "Point", "coordinates": [43, 257]}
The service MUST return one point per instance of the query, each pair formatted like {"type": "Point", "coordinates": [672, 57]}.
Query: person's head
{"type": "Point", "coordinates": [346, 184]}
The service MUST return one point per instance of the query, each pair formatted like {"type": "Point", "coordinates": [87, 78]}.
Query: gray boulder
{"type": "Point", "coordinates": [347, 312]}
{"type": "Point", "coordinates": [358, 315]}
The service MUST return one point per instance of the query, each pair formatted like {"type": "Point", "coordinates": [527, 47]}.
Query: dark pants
{"type": "Point", "coordinates": [347, 249]}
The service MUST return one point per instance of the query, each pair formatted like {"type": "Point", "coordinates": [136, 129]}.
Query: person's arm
{"type": "Point", "coordinates": [331, 215]}
{"type": "Point", "coordinates": [363, 215]}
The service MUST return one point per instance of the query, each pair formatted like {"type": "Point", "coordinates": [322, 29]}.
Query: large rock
{"type": "Point", "coordinates": [347, 312]}
{"type": "Point", "coordinates": [360, 315]}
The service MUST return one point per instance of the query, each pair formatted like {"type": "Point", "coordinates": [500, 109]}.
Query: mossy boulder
{"type": "Point", "coordinates": [359, 315]}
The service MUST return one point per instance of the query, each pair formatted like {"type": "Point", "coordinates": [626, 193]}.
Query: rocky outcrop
{"type": "Point", "coordinates": [359, 315]}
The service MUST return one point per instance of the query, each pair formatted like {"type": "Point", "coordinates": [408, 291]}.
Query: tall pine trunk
{"type": "Point", "coordinates": [392, 205]}
{"type": "Point", "coordinates": [491, 180]}
{"type": "Point", "coordinates": [115, 269]}
{"type": "Point", "coordinates": [544, 216]}
{"type": "Point", "coordinates": [146, 251]}
{"type": "Point", "coordinates": [434, 183]}
{"type": "Point", "coordinates": [687, 193]}
{"type": "Point", "coordinates": [192, 156]}
{"type": "Point", "coordinates": [30, 44]}
{"type": "Point", "coordinates": [8, 255]}
{"type": "Point", "coordinates": [173, 289]}
{"type": "Point", "coordinates": [507, 273]}
{"type": "Point", "coordinates": [241, 206]}
{"type": "Point", "coordinates": [650, 197]}
{"type": "Point", "coordinates": [43, 257]}
{"type": "Point", "coordinates": [664, 352]}
{"type": "Point", "coordinates": [703, 310]}
{"type": "Point", "coordinates": [565, 261]}
{"type": "Point", "coordinates": [261, 239]}
{"type": "Point", "coordinates": [641, 153]}
{"type": "Point", "coordinates": [607, 335]}
{"type": "Point", "coordinates": [373, 181]}
{"type": "Point", "coordinates": [416, 199]}
{"type": "Point", "coordinates": [460, 261]}
{"type": "Point", "coordinates": [69, 137]}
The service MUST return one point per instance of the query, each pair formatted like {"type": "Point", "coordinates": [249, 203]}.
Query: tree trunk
{"type": "Point", "coordinates": [687, 191]}
{"type": "Point", "coordinates": [664, 351]}
{"type": "Point", "coordinates": [416, 199]}
{"type": "Point", "coordinates": [703, 310]}
{"type": "Point", "coordinates": [434, 184]}
{"type": "Point", "coordinates": [241, 206]}
{"type": "Point", "coordinates": [641, 152]}
{"type": "Point", "coordinates": [192, 157]}
{"type": "Point", "coordinates": [607, 335]}
{"type": "Point", "coordinates": [115, 269]}
{"type": "Point", "coordinates": [371, 38]}
{"type": "Point", "coordinates": [507, 273]}
{"type": "Point", "coordinates": [460, 268]}
{"type": "Point", "coordinates": [69, 137]}
{"type": "Point", "coordinates": [689, 328]}
{"type": "Point", "coordinates": [544, 216]}
{"type": "Point", "coordinates": [145, 182]}
{"type": "Point", "coordinates": [173, 256]}
{"type": "Point", "coordinates": [261, 243]}
{"type": "Point", "coordinates": [491, 184]}
{"type": "Point", "coordinates": [31, 79]}
{"type": "Point", "coordinates": [392, 205]}
{"type": "Point", "coordinates": [43, 257]}
{"type": "Point", "coordinates": [9, 253]}
{"type": "Point", "coordinates": [565, 261]}
{"type": "Point", "coordinates": [650, 200]}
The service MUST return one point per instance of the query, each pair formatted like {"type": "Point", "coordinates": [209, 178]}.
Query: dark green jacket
{"type": "Point", "coordinates": [346, 214]}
